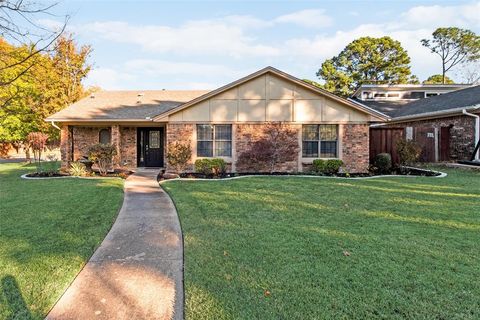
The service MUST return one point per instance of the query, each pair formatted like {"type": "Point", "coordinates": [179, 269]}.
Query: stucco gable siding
{"type": "Point", "coordinates": [268, 97]}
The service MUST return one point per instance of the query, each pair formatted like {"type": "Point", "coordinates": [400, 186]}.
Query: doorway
{"type": "Point", "coordinates": [150, 147]}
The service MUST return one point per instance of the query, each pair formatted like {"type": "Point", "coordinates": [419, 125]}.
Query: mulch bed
{"type": "Point", "coordinates": [405, 171]}
{"type": "Point", "coordinates": [115, 174]}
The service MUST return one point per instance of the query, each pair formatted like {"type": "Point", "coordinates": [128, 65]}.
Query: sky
{"type": "Point", "coordinates": [203, 45]}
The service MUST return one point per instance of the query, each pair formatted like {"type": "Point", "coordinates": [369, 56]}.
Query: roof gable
{"type": "Point", "coordinates": [280, 86]}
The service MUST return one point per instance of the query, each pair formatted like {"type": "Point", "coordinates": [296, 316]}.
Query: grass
{"type": "Point", "coordinates": [305, 248]}
{"type": "Point", "coordinates": [48, 230]}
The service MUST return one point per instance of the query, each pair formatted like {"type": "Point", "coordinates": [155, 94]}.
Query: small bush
{"type": "Point", "coordinates": [178, 155]}
{"type": "Point", "coordinates": [330, 166]}
{"type": "Point", "coordinates": [102, 155]}
{"type": "Point", "coordinates": [208, 167]}
{"type": "Point", "coordinates": [77, 169]}
{"type": "Point", "coordinates": [408, 152]}
{"type": "Point", "coordinates": [383, 163]}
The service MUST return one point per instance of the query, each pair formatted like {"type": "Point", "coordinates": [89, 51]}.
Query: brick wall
{"type": "Point", "coordinates": [462, 133]}
{"type": "Point", "coordinates": [128, 147]}
{"type": "Point", "coordinates": [65, 146]}
{"type": "Point", "coordinates": [182, 133]}
{"type": "Point", "coordinates": [83, 137]}
{"type": "Point", "coordinates": [355, 147]}
{"type": "Point", "coordinates": [246, 134]}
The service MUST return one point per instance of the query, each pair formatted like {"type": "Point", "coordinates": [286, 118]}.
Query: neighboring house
{"type": "Point", "coordinates": [220, 123]}
{"type": "Point", "coordinates": [390, 98]}
{"type": "Point", "coordinates": [447, 126]}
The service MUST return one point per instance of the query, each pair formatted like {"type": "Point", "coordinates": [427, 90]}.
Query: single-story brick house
{"type": "Point", "coordinates": [219, 123]}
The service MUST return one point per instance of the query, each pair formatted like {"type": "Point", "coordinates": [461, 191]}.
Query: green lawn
{"type": "Point", "coordinates": [392, 248]}
{"type": "Point", "coordinates": [48, 230]}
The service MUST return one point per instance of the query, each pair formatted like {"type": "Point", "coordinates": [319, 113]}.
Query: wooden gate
{"type": "Point", "coordinates": [384, 140]}
{"type": "Point", "coordinates": [427, 140]}
{"type": "Point", "coordinates": [444, 143]}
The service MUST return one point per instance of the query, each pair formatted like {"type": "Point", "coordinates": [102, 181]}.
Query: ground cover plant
{"type": "Point", "coordinates": [317, 248]}
{"type": "Point", "coordinates": [48, 230]}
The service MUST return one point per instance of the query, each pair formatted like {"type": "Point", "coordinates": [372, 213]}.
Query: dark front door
{"type": "Point", "coordinates": [150, 147]}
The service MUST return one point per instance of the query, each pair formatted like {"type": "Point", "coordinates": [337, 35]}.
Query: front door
{"type": "Point", "coordinates": [150, 147]}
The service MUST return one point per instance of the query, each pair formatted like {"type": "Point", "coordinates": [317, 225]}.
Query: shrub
{"type": "Point", "coordinates": [178, 155]}
{"type": "Point", "coordinates": [408, 152]}
{"type": "Point", "coordinates": [214, 166]}
{"type": "Point", "coordinates": [37, 141]}
{"type": "Point", "coordinates": [278, 144]}
{"type": "Point", "coordinates": [77, 169]}
{"type": "Point", "coordinates": [102, 155]}
{"type": "Point", "coordinates": [330, 166]}
{"type": "Point", "coordinates": [383, 163]}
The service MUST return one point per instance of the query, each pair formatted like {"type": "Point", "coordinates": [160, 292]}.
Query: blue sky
{"type": "Point", "coordinates": [203, 45]}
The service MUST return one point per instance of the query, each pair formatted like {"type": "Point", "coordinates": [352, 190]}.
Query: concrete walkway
{"type": "Point", "coordinates": [137, 272]}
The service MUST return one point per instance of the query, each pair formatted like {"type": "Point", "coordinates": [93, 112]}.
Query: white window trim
{"type": "Point", "coordinates": [226, 158]}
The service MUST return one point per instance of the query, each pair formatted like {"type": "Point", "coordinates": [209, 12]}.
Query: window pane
{"type": "Point", "coordinates": [223, 149]}
{"type": "Point", "coordinates": [154, 139]}
{"type": "Point", "coordinates": [328, 132]}
{"type": "Point", "coordinates": [310, 132]}
{"type": "Point", "coordinates": [223, 132]}
{"type": "Point", "coordinates": [105, 136]}
{"type": "Point", "coordinates": [204, 148]}
{"type": "Point", "coordinates": [310, 149]}
{"type": "Point", "coordinates": [328, 149]}
{"type": "Point", "coordinates": [204, 132]}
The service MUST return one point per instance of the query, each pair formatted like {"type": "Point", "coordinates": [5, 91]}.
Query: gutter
{"type": "Point", "coordinates": [477, 128]}
{"type": "Point", "coordinates": [434, 113]}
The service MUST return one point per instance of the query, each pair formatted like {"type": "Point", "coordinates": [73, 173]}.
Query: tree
{"type": "Point", "coordinates": [454, 46]}
{"type": "Point", "coordinates": [313, 83]}
{"type": "Point", "coordinates": [50, 84]}
{"type": "Point", "coordinates": [19, 25]}
{"type": "Point", "coordinates": [438, 79]}
{"type": "Point", "coordinates": [366, 60]}
{"type": "Point", "coordinates": [469, 72]}
{"type": "Point", "coordinates": [278, 144]}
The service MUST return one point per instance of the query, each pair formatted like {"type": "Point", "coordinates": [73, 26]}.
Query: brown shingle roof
{"type": "Point", "coordinates": [125, 105]}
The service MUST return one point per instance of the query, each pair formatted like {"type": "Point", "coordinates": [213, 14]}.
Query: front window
{"type": "Point", "coordinates": [214, 140]}
{"type": "Point", "coordinates": [105, 136]}
{"type": "Point", "coordinates": [320, 141]}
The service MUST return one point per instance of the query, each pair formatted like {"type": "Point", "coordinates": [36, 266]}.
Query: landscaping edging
{"type": "Point", "coordinates": [25, 176]}
{"type": "Point", "coordinates": [441, 175]}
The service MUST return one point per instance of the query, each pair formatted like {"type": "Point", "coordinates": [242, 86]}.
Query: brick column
{"type": "Point", "coordinates": [355, 147]}
{"type": "Point", "coordinates": [65, 146]}
{"type": "Point", "coordinates": [116, 138]}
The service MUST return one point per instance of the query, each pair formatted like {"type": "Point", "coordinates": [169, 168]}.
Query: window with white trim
{"type": "Point", "coordinates": [214, 140]}
{"type": "Point", "coordinates": [320, 141]}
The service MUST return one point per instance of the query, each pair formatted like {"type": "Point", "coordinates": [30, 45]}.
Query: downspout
{"type": "Point", "coordinates": [477, 128]}
{"type": "Point", "coordinates": [55, 126]}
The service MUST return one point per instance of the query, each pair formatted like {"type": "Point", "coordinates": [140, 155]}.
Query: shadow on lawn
{"type": "Point", "coordinates": [13, 298]}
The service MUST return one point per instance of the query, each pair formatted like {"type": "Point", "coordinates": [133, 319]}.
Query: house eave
{"type": "Point", "coordinates": [434, 114]}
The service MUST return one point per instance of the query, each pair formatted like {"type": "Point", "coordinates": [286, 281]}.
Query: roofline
{"type": "Point", "coordinates": [433, 114]}
{"type": "Point", "coordinates": [370, 108]}
{"type": "Point", "coordinates": [422, 85]}
{"type": "Point", "coordinates": [280, 74]}
{"type": "Point", "coordinates": [96, 120]}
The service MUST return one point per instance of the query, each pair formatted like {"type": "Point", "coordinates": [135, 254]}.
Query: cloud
{"type": "Point", "coordinates": [411, 26]}
{"type": "Point", "coordinates": [465, 16]}
{"type": "Point", "coordinates": [310, 18]}
{"type": "Point", "coordinates": [157, 67]}
{"type": "Point", "coordinates": [201, 37]}
{"type": "Point", "coordinates": [109, 78]}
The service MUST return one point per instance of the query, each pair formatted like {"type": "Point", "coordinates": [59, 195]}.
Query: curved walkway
{"type": "Point", "coordinates": [137, 272]}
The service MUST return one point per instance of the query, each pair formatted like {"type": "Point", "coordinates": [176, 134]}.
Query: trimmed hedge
{"type": "Point", "coordinates": [330, 166]}
{"type": "Point", "coordinates": [383, 163]}
{"type": "Point", "coordinates": [213, 166]}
